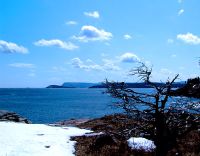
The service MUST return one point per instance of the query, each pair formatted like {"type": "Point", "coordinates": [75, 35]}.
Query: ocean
{"type": "Point", "coordinates": [53, 105]}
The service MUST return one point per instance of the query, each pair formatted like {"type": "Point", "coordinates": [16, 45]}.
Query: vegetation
{"type": "Point", "coordinates": [157, 115]}
{"type": "Point", "coordinates": [113, 142]}
{"type": "Point", "coordinates": [191, 89]}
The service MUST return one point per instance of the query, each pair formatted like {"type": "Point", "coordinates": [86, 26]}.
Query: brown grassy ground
{"type": "Point", "coordinates": [111, 143]}
{"type": "Point", "coordinates": [189, 145]}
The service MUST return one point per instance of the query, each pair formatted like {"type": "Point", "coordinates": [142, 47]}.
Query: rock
{"type": "Point", "coordinates": [11, 116]}
{"type": "Point", "coordinates": [103, 140]}
{"type": "Point", "coordinates": [71, 122]}
{"type": "Point", "coordinates": [98, 126]}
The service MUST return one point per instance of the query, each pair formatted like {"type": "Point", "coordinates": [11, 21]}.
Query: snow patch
{"type": "Point", "coordinates": [37, 139]}
{"type": "Point", "coordinates": [139, 143]}
{"type": "Point", "coordinates": [93, 134]}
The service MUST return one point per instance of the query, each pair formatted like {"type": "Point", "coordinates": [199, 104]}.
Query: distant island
{"type": "Point", "coordinates": [103, 85]}
{"type": "Point", "coordinates": [74, 85]}
{"type": "Point", "coordinates": [57, 86]}
{"type": "Point", "coordinates": [189, 88]}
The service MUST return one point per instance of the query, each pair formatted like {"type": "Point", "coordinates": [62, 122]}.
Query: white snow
{"type": "Point", "coordinates": [139, 143]}
{"type": "Point", "coordinates": [93, 134]}
{"type": "Point", "coordinates": [18, 139]}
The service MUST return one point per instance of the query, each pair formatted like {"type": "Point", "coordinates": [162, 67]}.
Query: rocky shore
{"type": "Point", "coordinates": [110, 135]}
{"type": "Point", "coordinates": [11, 116]}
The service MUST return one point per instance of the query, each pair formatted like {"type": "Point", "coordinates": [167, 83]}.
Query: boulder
{"type": "Point", "coordinates": [11, 116]}
{"type": "Point", "coordinates": [102, 140]}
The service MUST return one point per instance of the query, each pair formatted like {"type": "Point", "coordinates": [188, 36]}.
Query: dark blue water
{"type": "Point", "coordinates": [51, 105]}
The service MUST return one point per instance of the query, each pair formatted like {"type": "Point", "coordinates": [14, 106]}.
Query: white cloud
{"type": "Point", "coordinates": [170, 41]}
{"type": "Point", "coordinates": [129, 58]}
{"type": "Point", "coordinates": [94, 14]}
{"type": "Point", "coordinates": [127, 37]}
{"type": "Point", "coordinates": [91, 33]}
{"type": "Point", "coordinates": [22, 65]}
{"type": "Point", "coordinates": [107, 65]}
{"type": "Point", "coordinates": [180, 12]}
{"type": "Point", "coordinates": [57, 43]}
{"type": "Point", "coordinates": [9, 47]}
{"type": "Point", "coordinates": [71, 23]}
{"type": "Point", "coordinates": [77, 63]}
{"type": "Point", "coordinates": [89, 61]}
{"type": "Point", "coordinates": [189, 38]}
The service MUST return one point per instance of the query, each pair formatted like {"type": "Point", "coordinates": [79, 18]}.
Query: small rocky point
{"type": "Point", "coordinates": [191, 89]}
{"type": "Point", "coordinates": [11, 116]}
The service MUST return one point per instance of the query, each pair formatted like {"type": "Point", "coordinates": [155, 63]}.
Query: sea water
{"type": "Point", "coordinates": [52, 105]}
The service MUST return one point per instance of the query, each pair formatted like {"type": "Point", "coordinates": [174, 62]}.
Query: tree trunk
{"type": "Point", "coordinates": [161, 135]}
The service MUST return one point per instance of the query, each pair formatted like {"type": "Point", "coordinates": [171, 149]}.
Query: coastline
{"type": "Point", "coordinates": [109, 137]}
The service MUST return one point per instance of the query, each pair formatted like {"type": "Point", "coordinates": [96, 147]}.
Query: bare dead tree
{"type": "Point", "coordinates": [157, 113]}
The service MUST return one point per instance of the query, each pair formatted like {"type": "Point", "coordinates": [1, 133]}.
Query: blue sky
{"type": "Point", "coordinates": [46, 42]}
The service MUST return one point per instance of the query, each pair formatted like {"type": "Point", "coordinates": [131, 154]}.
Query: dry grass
{"type": "Point", "coordinates": [114, 144]}
{"type": "Point", "coordinates": [189, 145]}
{"type": "Point", "coordinates": [88, 146]}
